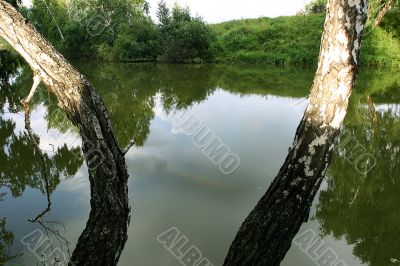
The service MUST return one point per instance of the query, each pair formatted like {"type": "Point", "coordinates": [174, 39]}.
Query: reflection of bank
{"type": "Point", "coordinates": [6, 241]}
{"type": "Point", "coordinates": [361, 207]}
{"type": "Point", "coordinates": [20, 168]}
{"type": "Point", "coordinates": [355, 153]}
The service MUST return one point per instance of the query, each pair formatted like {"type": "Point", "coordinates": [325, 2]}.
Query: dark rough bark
{"type": "Point", "coordinates": [266, 235]}
{"type": "Point", "coordinates": [105, 235]}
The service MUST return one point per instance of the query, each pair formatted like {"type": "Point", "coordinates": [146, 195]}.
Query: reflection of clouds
{"type": "Point", "coordinates": [50, 139]}
{"type": "Point", "coordinates": [158, 107]}
{"type": "Point", "coordinates": [148, 164]}
{"type": "Point", "coordinates": [233, 117]}
{"type": "Point", "coordinates": [79, 185]}
{"type": "Point", "coordinates": [253, 124]}
{"type": "Point", "coordinates": [175, 118]}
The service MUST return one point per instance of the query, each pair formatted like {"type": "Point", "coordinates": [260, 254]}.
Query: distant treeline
{"type": "Point", "coordinates": [122, 30]}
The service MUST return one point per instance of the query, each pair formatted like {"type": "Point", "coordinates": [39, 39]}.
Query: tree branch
{"type": "Point", "coordinates": [105, 234]}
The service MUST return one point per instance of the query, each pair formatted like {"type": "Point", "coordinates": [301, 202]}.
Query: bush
{"type": "Point", "coordinates": [137, 41]}
{"type": "Point", "coordinates": [380, 48]}
{"type": "Point", "coordinates": [183, 38]}
{"type": "Point", "coordinates": [279, 41]}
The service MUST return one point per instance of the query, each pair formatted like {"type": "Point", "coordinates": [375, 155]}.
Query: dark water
{"type": "Point", "coordinates": [254, 111]}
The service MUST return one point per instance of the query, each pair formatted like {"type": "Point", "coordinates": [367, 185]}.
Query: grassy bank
{"type": "Point", "coordinates": [294, 40]}
{"type": "Point", "coordinates": [180, 38]}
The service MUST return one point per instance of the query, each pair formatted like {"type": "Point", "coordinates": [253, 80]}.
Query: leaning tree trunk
{"type": "Point", "coordinates": [266, 235]}
{"type": "Point", "coordinates": [382, 13]}
{"type": "Point", "coordinates": [105, 235]}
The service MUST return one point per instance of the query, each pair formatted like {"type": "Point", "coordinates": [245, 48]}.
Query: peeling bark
{"type": "Point", "coordinates": [266, 235]}
{"type": "Point", "coordinates": [105, 234]}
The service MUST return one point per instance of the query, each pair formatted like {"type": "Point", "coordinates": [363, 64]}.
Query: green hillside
{"type": "Point", "coordinates": [293, 40]}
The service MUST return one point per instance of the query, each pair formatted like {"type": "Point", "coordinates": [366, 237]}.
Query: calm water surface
{"type": "Point", "coordinates": [254, 111]}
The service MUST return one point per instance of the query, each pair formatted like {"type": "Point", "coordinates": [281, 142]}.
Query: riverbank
{"type": "Point", "coordinates": [295, 40]}
{"type": "Point", "coordinates": [282, 41]}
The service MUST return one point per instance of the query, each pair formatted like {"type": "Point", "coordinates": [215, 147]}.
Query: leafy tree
{"type": "Point", "coordinates": [316, 7]}
{"type": "Point", "coordinates": [137, 40]}
{"type": "Point", "coordinates": [184, 38]}
{"type": "Point", "coordinates": [50, 18]}
{"type": "Point", "coordinates": [163, 13]}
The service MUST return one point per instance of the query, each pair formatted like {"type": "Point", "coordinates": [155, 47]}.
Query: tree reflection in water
{"type": "Point", "coordinates": [369, 219]}
{"type": "Point", "coordinates": [17, 148]}
{"type": "Point", "coordinates": [363, 207]}
{"type": "Point", "coordinates": [6, 241]}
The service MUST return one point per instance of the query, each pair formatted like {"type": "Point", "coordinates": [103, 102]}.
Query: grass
{"type": "Point", "coordinates": [380, 48]}
{"type": "Point", "coordinates": [293, 40]}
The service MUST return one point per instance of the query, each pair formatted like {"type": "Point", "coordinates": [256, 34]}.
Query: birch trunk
{"type": "Point", "coordinates": [266, 235]}
{"type": "Point", "coordinates": [105, 235]}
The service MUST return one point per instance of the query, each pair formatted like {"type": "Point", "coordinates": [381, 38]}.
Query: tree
{"type": "Point", "coordinates": [163, 13]}
{"type": "Point", "coordinates": [316, 7]}
{"type": "Point", "coordinates": [105, 234]}
{"type": "Point", "coordinates": [184, 38]}
{"type": "Point", "coordinates": [267, 233]}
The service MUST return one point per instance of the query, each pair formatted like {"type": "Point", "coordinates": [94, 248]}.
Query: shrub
{"type": "Point", "coordinates": [183, 38]}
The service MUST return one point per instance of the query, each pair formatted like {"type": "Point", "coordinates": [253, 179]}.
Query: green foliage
{"type": "Point", "coordinates": [360, 208]}
{"type": "Point", "coordinates": [280, 41]}
{"type": "Point", "coordinates": [295, 41]}
{"type": "Point", "coordinates": [376, 6]}
{"type": "Point", "coordinates": [391, 23]}
{"type": "Point", "coordinates": [6, 241]}
{"type": "Point", "coordinates": [49, 17]}
{"type": "Point", "coordinates": [316, 7]}
{"type": "Point", "coordinates": [183, 38]}
{"type": "Point", "coordinates": [380, 48]}
{"type": "Point", "coordinates": [122, 30]}
{"type": "Point", "coordinates": [9, 63]}
{"type": "Point", "coordinates": [137, 41]}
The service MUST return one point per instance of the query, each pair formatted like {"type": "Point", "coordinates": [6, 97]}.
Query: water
{"type": "Point", "coordinates": [254, 110]}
